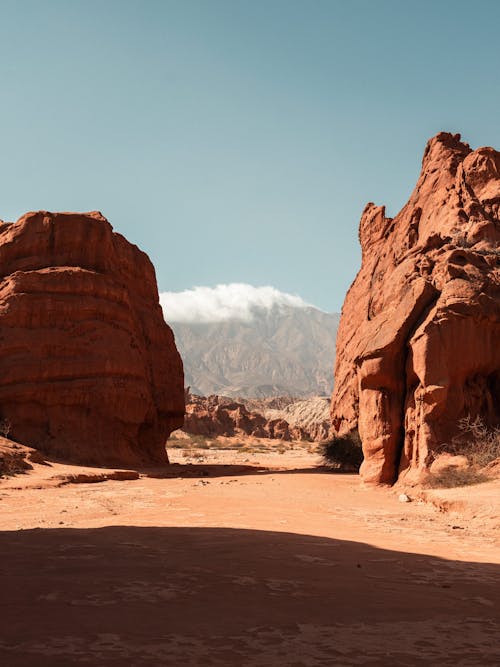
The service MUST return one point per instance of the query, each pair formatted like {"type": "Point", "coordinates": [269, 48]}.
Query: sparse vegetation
{"type": "Point", "coordinates": [487, 251]}
{"type": "Point", "coordinates": [175, 443]}
{"type": "Point", "coordinates": [480, 444]}
{"type": "Point", "coordinates": [190, 447]}
{"type": "Point", "coordinates": [452, 477]}
{"type": "Point", "coordinates": [463, 242]}
{"type": "Point", "coordinates": [344, 452]}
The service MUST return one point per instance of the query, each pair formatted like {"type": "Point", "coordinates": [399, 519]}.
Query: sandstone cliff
{"type": "Point", "coordinates": [89, 371]}
{"type": "Point", "coordinates": [418, 344]}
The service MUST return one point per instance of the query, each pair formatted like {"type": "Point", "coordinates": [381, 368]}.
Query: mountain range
{"type": "Point", "coordinates": [281, 350]}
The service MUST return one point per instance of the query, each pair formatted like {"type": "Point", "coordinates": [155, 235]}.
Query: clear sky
{"type": "Point", "coordinates": [238, 141]}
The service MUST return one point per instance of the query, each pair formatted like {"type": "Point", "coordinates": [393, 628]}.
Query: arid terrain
{"type": "Point", "coordinates": [242, 547]}
{"type": "Point", "coordinates": [243, 553]}
{"type": "Point", "coordinates": [250, 333]}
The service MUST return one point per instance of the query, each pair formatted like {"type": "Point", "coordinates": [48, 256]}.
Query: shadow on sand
{"type": "Point", "coordinates": [196, 470]}
{"type": "Point", "coordinates": [131, 596]}
{"type": "Point", "coordinates": [231, 469]}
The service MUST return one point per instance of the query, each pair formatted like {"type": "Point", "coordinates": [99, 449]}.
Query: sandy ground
{"type": "Point", "coordinates": [241, 557]}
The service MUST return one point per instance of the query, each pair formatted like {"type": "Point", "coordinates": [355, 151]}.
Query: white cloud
{"type": "Point", "coordinates": [236, 301]}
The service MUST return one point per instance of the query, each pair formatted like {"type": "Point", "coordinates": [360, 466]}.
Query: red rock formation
{"type": "Point", "coordinates": [418, 345]}
{"type": "Point", "coordinates": [217, 415]}
{"type": "Point", "coordinates": [89, 369]}
{"type": "Point", "coordinates": [16, 458]}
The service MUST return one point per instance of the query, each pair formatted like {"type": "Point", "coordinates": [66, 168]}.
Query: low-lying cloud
{"type": "Point", "coordinates": [236, 301]}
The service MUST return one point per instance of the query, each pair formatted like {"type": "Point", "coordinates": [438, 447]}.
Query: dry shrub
{"type": "Point", "coordinates": [343, 452]}
{"type": "Point", "coordinates": [480, 444]}
{"type": "Point", "coordinates": [196, 441]}
{"type": "Point", "coordinates": [176, 443]}
{"type": "Point", "coordinates": [452, 477]}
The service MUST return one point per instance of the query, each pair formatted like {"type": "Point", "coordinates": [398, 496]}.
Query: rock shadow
{"type": "Point", "coordinates": [231, 469]}
{"type": "Point", "coordinates": [125, 595]}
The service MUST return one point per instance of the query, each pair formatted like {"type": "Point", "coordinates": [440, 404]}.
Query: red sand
{"type": "Point", "coordinates": [238, 565]}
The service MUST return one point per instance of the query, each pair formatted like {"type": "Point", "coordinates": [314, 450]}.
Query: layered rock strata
{"type": "Point", "coordinates": [89, 371]}
{"type": "Point", "coordinates": [418, 346]}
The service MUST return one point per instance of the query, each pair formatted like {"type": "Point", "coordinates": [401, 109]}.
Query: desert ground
{"type": "Point", "coordinates": [244, 554]}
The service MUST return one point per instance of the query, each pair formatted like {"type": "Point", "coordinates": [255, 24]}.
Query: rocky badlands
{"type": "Point", "coordinates": [246, 547]}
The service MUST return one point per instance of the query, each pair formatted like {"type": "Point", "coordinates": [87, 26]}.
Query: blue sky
{"type": "Point", "coordinates": [238, 141]}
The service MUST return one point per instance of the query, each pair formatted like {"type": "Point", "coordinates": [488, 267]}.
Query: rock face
{"type": "Point", "coordinates": [418, 345]}
{"type": "Point", "coordinates": [89, 369]}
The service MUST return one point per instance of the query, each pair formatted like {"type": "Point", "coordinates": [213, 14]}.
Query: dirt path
{"type": "Point", "coordinates": [240, 565]}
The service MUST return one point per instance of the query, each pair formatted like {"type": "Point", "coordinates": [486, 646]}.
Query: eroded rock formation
{"type": "Point", "coordinates": [294, 420]}
{"type": "Point", "coordinates": [418, 345]}
{"type": "Point", "coordinates": [89, 371]}
{"type": "Point", "coordinates": [310, 416]}
{"type": "Point", "coordinates": [16, 458]}
{"type": "Point", "coordinates": [219, 415]}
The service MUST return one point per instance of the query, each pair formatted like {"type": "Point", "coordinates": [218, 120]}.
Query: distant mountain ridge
{"type": "Point", "coordinates": [283, 350]}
